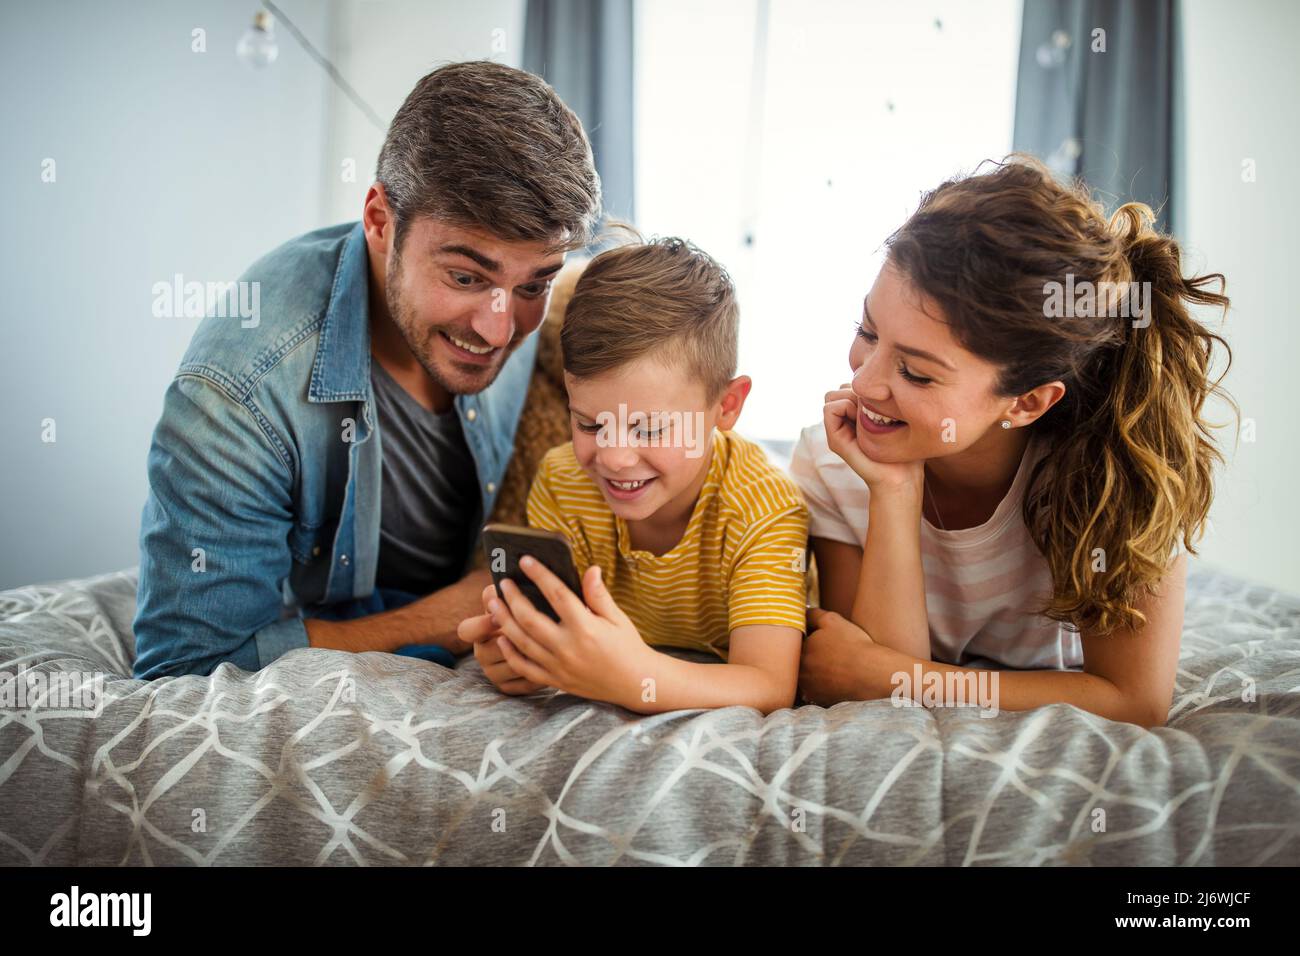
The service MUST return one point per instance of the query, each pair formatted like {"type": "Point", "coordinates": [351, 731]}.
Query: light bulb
{"type": "Point", "coordinates": [1064, 158]}
{"type": "Point", "coordinates": [257, 47]}
{"type": "Point", "coordinates": [1052, 53]}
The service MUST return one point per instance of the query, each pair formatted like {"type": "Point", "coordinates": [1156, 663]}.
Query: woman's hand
{"type": "Point", "coordinates": [595, 651]}
{"type": "Point", "coordinates": [841, 417]}
{"type": "Point", "coordinates": [841, 662]}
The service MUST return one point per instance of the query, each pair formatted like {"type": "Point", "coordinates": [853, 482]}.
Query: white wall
{"type": "Point", "coordinates": [168, 161]}
{"type": "Point", "coordinates": [1241, 74]}
{"type": "Point", "coordinates": [174, 161]}
{"type": "Point", "coordinates": [383, 49]}
{"type": "Point", "coordinates": [865, 106]}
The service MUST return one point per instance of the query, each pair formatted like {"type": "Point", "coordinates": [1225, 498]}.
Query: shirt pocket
{"type": "Point", "coordinates": [309, 543]}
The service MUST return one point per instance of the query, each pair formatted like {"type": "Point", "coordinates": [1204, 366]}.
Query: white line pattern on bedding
{"type": "Point", "coordinates": [372, 759]}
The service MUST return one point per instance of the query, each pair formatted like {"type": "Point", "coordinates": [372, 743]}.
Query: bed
{"type": "Point", "coordinates": [331, 758]}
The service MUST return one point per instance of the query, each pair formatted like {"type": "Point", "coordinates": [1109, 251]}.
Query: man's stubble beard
{"type": "Point", "coordinates": [423, 348]}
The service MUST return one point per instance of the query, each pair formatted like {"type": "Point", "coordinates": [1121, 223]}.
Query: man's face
{"type": "Point", "coordinates": [463, 299]}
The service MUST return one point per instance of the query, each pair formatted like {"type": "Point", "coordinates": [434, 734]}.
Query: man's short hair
{"type": "Point", "coordinates": [483, 145]}
{"type": "Point", "coordinates": [664, 298]}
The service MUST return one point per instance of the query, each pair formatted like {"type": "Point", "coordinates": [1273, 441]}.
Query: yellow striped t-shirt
{"type": "Point", "coordinates": [741, 561]}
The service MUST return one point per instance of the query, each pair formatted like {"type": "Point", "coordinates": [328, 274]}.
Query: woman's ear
{"type": "Point", "coordinates": [733, 400]}
{"type": "Point", "coordinates": [1029, 407]}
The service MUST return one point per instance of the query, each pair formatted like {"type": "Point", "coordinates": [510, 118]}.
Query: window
{"type": "Point", "coordinates": [789, 139]}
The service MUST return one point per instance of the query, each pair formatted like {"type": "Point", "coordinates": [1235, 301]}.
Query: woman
{"type": "Point", "coordinates": [1009, 476]}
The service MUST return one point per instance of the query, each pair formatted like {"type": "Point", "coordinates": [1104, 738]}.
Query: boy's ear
{"type": "Point", "coordinates": [733, 400]}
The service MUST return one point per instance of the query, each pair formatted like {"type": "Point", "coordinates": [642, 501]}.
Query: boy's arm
{"type": "Point", "coordinates": [597, 653]}
{"type": "Point", "coordinates": [594, 651]}
{"type": "Point", "coordinates": [542, 512]}
{"type": "Point", "coordinates": [766, 596]}
{"type": "Point", "coordinates": [767, 582]}
{"type": "Point", "coordinates": [762, 672]}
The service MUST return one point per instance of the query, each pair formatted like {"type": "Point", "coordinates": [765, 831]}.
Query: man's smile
{"type": "Point", "coordinates": [467, 352]}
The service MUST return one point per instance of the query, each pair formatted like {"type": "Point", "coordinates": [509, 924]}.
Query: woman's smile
{"type": "Point", "coordinates": [876, 423]}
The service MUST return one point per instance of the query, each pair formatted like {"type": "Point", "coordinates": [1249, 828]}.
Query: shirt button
{"type": "Point", "coordinates": [343, 559]}
{"type": "Point", "coordinates": [471, 414]}
{"type": "Point", "coordinates": [491, 487]}
{"type": "Point", "coordinates": [315, 551]}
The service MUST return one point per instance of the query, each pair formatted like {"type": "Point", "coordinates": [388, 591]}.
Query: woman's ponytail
{"type": "Point", "coordinates": [1132, 475]}
{"type": "Point", "coordinates": [1129, 473]}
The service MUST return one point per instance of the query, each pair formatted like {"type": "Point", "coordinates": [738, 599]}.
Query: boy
{"type": "Point", "coordinates": [684, 534]}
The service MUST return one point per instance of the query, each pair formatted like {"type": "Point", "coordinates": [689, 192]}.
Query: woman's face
{"type": "Point", "coordinates": [908, 368]}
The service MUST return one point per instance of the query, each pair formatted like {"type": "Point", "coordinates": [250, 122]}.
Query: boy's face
{"type": "Point", "coordinates": [654, 451]}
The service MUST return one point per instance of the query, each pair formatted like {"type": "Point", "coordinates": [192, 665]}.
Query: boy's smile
{"type": "Point", "coordinates": [628, 489]}
{"type": "Point", "coordinates": [645, 457]}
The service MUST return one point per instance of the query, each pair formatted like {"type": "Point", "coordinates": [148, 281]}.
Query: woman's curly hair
{"type": "Point", "coordinates": [1130, 470]}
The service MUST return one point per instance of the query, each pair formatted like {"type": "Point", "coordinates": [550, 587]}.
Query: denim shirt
{"type": "Point", "coordinates": [264, 471]}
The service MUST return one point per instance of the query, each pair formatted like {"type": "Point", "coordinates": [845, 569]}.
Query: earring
{"type": "Point", "coordinates": [1006, 423]}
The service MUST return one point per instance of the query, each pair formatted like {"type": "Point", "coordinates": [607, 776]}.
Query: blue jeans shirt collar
{"type": "Point", "coordinates": [342, 369]}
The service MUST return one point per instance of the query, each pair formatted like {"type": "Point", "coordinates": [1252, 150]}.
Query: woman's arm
{"type": "Point", "coordinates": [1143, 664]}
{"type": "Point", "coordinates": [890, 600]}
{"type": "Point", "coordinates": [881, 586]}
{"type": "Point", "coordinates": [889, 586]}
{"type": "Point", "coordinates": [838, 565]}
{"type": "Point", "coordinates": [1128, 675]}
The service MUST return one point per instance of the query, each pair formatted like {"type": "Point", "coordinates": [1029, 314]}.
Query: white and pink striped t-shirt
{"type": "Point", "coordinates": [982, 584]}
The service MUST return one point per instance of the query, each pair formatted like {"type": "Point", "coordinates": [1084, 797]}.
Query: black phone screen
{"type": "Point", "coordinates": [504, 545]}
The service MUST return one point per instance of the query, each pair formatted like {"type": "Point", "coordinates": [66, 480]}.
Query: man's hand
{"type": "Point", "coordinates": [595, 651]}
{"type": "Point", "coordinates": [485, 636]}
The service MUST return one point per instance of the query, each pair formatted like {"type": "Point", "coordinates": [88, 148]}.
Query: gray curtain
{"type": "Point", "coordinates": [583, 48]}
{"type": "Point", "coordinates": [1107, 117]}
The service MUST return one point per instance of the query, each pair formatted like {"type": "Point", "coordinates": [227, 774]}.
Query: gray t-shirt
{"type": "Point", "coordinates": [430, 501]}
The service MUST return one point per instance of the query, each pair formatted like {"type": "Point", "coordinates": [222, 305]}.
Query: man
{"type": "Point", "coordinates": [318, 477]}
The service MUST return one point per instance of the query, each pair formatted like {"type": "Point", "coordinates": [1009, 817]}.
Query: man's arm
{"type": "Point", "coordinates": [430, 620]}
{"type": "Point", "coordinates": [213, 539]}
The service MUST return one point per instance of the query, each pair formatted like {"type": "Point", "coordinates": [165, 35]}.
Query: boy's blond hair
{"type": "Point", "coordinates": [665, 298]}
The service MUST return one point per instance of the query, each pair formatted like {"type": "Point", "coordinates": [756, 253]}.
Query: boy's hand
{"type": "Point", "coordinates": [485, 636]}
{"type": "Point", "coordinates": [594, 651]}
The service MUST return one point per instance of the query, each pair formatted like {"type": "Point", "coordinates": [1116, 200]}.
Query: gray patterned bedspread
{"type": "Point", "coordinates": [327, 757]}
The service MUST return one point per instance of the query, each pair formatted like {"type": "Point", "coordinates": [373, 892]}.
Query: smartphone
{"type": "Point", "coordinates": [505, 544]}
